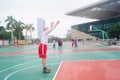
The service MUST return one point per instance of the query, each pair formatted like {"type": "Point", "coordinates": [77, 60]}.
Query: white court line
{"type": "Point", "coordinates": [17, 66]}
{"type": "Point", "coordinates": [57, 70]}
{"type": "Point", "coordinates": [22, 70]}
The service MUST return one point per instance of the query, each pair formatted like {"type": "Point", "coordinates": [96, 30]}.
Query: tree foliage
{"type": "Point", "coordinates": [114, 32]}
{"type": "Point", "coordinates": [15, 29]}
{"type": "Point", "coordinates": [18, 30]}
{"type": "Point", "coordinates": [4, 34]}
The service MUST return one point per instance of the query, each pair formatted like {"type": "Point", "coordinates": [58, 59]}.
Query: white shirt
{"type": "Point", "coordinates": [44, 38]}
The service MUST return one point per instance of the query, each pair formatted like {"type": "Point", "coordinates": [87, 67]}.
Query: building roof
{"type": "Point", "coordinates": [100, 10]}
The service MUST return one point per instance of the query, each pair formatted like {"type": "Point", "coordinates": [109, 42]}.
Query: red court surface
{"type": "Point", "coordinates": [89, 70]}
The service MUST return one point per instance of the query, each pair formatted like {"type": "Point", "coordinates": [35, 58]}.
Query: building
{"type": "Point", "coordinates": [107, 14]}
{"type": "Point", "coordinates": [97, 26]}
{"type": "Point", "coordinates": [40, 24]}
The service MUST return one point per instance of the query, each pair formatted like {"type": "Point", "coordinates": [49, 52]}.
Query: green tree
{"type": "Point", "coordinates": [7, 35]}
{"type": "Point", "coordinates": [114, 32]}
{"type": "Point", "coordinates": [30, 28]}
{"type": "Point", "coordinates": [11, 25]}
{"type": "Point", "coordinates": [18, 30]}
{"type": "Point", "coordinates": [2, 32]}
{"type": "Point", "coordinates": [26, 27]}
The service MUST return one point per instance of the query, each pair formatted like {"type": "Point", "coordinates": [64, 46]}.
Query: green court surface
{"type": "Point", "coordinates": [22, 63]}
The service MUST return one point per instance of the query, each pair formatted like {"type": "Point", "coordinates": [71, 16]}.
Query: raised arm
{"type": "Point", "coordinates": [56, 23]}
{"type": "Point", "coordinates": [53, 26]}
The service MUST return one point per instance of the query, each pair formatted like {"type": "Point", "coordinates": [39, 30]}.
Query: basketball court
{"type": "Point", "coordinates": [86, 62]}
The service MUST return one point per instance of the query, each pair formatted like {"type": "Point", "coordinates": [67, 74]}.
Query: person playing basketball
{"type": "Point", "coordinates": [42, 49]}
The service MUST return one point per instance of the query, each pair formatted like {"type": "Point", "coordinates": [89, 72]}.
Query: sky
{"type": "Point", "coordinates": [28, 11]}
